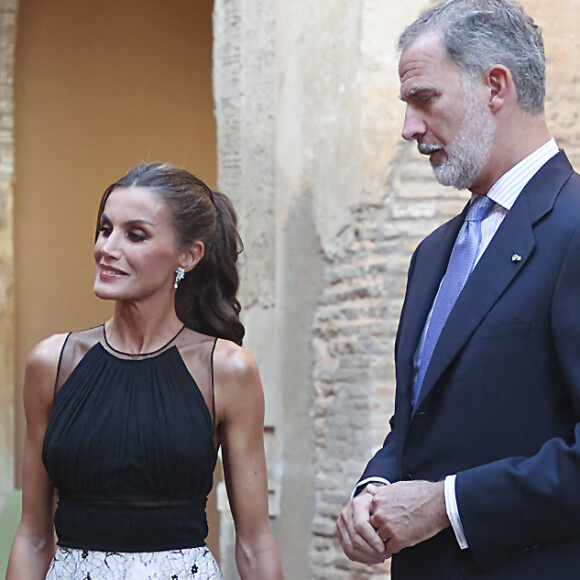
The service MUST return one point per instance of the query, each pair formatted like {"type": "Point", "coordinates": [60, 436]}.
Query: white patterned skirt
{"type": "Point", "coordinates": [190, 564]}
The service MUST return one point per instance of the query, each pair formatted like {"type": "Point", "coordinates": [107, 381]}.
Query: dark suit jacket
{"type": "Point", "coordinates": [500, 402]}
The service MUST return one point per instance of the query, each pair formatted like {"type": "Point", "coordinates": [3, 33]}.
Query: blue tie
{"type": "Point", "coordinates": [459, 268]}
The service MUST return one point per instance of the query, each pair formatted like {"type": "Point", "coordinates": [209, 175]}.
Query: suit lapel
{"type": "Point", "coordinates": [500, 264]}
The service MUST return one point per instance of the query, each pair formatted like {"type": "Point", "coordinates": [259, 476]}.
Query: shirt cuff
{"type": "Point", "coordinates": [366, 481]}
{"type": "Point", "coordinates": [453, 511]}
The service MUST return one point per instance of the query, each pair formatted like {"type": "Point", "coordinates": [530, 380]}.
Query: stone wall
{"type": "Point", "coordinates": [353, 342]}
{"type": "Point", "coordinates": [350, 202]}
{"type": "Point", "coordinates": [243, 89]}
{"type": "Point", "coordinates": [7, 38]}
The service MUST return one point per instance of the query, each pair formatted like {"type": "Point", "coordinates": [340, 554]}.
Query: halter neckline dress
{"type": "Point", "coordinates": [130, 448]}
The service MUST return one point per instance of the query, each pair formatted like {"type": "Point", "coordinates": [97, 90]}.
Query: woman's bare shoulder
{"type": "Point", "coordinates": [47, 352]}
{"type": "Point", "coordinates": [238, 388]}
{"type": "Point", "coordinates": [42, 363]}
{"type": "Point", "coordinates": [234, 362]}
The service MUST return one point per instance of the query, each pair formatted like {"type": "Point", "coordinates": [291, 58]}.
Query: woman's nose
{"type": "Point", "coordinates": [109, 246]}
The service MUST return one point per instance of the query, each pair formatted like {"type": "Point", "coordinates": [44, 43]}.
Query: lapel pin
{"type": "Point", "coordinates": [516, 258]}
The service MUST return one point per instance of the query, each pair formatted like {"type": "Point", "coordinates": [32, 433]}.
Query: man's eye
{"type": "Point", "coordinates": [423, 98]}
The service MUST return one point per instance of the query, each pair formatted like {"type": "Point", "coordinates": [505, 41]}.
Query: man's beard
{"type": "Point", "coordinates": [469, 152]}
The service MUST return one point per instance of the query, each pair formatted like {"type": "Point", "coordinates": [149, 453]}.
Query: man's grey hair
{"type": "Point", "coordinates": [478, 34]}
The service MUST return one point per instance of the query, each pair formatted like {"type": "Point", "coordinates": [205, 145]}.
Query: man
{"type": "Point", "coordinates": [480, 474]}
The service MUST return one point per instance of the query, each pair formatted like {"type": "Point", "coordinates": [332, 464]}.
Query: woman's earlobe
{"type": "Point", "coordinates": [194, 255]}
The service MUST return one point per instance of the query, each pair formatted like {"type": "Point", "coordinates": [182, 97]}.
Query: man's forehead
{"type": "Point", "coordinates": [422, 62]}
{"type": "Point", "coordinates": [426, 49]}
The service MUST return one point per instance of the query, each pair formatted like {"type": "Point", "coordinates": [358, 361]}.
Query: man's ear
{"type": "Point", "coordinates": [192, 255]}
{"type": "Point", "coordinates": [500, 85]}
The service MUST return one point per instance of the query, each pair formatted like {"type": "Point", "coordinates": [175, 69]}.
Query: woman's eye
{"type": "Point", "coordinates": [105, 231]}
{"type": "Point", "coordinates": [136, 237]}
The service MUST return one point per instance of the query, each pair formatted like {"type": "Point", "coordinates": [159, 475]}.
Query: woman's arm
{"type": "Point", "coordinates": [240, 416]}
{"type": "Point", "coordinates": [33, 545]}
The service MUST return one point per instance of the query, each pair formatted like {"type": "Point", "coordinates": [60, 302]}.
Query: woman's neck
{"type": "Point", "coordinates": [136, 329]}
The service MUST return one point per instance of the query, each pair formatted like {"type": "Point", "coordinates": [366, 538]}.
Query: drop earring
{"type": "Point", "coordinates": [179, 276]}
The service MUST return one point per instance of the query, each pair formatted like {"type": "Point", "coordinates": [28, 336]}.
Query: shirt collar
{"type": "Point", "coordinates": [506, 189]}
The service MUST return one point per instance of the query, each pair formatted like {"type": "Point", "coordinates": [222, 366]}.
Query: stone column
{"type": "Point", "coordinates": [244, 91]}
{"type": "Point", "coordinates": [8, 10]}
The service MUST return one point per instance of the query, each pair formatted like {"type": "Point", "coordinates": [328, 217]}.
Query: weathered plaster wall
{"type": "Point", "coordinates": [333, 203]}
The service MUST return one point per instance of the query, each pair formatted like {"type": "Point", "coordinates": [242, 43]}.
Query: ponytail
{"type": "Point", "coordinates": [206, 299]}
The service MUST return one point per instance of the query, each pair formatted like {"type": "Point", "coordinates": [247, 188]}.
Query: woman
{"type": "Point", "coordinates": [124, 420]}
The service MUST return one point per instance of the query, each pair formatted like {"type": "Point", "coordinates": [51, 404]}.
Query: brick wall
{"type": "Point", "coordinates": [8, 10]}
{"type": "Point", "coordinates": [354, 333]}
{"type": "Point", "coordinates": [7, 38]}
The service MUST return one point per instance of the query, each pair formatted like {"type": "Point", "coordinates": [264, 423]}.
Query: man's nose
{"type": "Point", "coordinates": [414, 126]}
